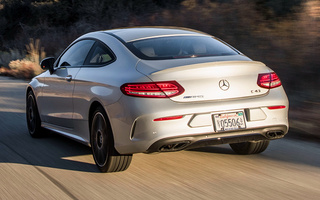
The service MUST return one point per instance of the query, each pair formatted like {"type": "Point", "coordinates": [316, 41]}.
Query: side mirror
{"type": "Point", "coordinates": [47, 63]}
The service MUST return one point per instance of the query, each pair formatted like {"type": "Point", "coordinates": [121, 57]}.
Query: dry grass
{"type": "Point", "coordinates": [27, 67]}
{"type": "Point", "coordinates": [35, 53]}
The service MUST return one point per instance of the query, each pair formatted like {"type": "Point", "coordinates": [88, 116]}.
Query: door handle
{"type": "Point", "coordinates": [68, 78]}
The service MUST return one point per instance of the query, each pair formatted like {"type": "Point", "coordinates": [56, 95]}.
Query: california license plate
{"type": "Point", "coordinates": [229, 121]}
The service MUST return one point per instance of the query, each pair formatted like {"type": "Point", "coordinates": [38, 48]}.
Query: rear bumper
{"type": "Point", "coordinates": [135, 131]}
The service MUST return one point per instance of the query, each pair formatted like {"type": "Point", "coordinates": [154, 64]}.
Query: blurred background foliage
{"type": "Point", "coordinates": [284, 34]}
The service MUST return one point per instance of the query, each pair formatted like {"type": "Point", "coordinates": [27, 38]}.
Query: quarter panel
{"type": "Point", "coordinates": [101, 84]}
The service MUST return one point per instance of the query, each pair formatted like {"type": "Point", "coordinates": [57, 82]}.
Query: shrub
{"type": "Point", "coordinates": [29, 66]}
{"type": "Point", "coordinates": [24, 69]}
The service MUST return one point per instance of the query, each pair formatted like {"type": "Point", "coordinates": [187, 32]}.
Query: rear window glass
{"type": "Point", "coordinates": [179, 47]}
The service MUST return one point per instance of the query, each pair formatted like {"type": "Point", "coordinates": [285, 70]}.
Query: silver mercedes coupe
{"type": "Point", "coordinates": [156, 89]}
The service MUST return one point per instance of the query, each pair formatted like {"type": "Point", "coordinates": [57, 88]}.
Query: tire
{"type": "Point", "coordinates": [246, 148]}
{"type": "Point", "coordinates": [32, 115]}
{"type": "Point", "coordinates": [105, 156]}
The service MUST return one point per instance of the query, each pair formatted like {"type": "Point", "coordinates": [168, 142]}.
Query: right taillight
{"type": "Point", "coordinates": [269, 80]}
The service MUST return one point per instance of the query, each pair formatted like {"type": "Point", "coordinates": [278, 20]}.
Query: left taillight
{"type": "Point", "coordinates": [269, 80]}
{"type": "Point", "coordinates": [165, 89]}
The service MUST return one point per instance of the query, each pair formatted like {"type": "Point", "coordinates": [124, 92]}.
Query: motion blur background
{"type": "Point", "coordinates": [284, 34]}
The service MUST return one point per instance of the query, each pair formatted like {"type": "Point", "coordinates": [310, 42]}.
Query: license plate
{"type": "Point", "coordinates": [229, 121]}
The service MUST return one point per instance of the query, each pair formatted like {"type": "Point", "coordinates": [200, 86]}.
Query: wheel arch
{"type": "Point", "coordinates": [29, 88]}
{"type": "Point", "coordinates": [37, 131]}
{"type": "Point", "coordinates": [94, 105]}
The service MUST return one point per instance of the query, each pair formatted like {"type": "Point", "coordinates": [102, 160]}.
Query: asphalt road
{"type": "Point", "coordinates": [54, 167]}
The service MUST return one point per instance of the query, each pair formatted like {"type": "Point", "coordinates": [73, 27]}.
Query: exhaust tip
{"type": "Point", "coordinates": [274, 134]}
{"type": "Point", "coordinates": [174, 146]}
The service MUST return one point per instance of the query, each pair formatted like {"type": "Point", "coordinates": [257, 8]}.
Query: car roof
{"type": "Point", "coordinates": [139, 33]}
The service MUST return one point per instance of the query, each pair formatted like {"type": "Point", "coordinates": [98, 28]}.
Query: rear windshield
{"type": "Point", "coordinates": [175, 47]}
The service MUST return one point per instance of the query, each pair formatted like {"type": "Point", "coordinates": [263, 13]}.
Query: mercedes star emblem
{"type": "Point", "coordinates": [224, 85]}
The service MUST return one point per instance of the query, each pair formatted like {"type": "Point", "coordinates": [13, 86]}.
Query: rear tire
{"type": "Point", "coordinates": [33, 118]}
{"type": "Point", "coordinates": [246, 148]}
{"type": "Point", "coordinates": [106, 157]}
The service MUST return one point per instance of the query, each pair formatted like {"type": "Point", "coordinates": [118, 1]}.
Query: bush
{"type": "Point", "coordinates": [29, 66]}
{"type": "Point", "coordinates": [24, 69]}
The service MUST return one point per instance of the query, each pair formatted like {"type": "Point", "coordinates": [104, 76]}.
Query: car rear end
{"type": "Point", "coordinates": [198, 99]}
{"type": "Point", "coordinates": [185, 106]}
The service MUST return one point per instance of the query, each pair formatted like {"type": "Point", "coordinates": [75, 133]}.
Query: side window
{"type": "Point", "coordinates": [100, 54]}
{"type": "Point", "coordinates": [76, 54]}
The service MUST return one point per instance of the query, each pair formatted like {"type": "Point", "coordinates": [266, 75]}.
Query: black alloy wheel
{"type": "Point", "coordinates": [106, 157]}
{"type": "Point", "coordinates": [33, 118]}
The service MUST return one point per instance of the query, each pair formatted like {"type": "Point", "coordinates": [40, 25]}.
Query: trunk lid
{"type": "Point", "coordinates": [218, 80]}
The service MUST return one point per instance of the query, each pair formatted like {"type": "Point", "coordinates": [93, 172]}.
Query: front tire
{"type": "Point", "coordinates": [106, 157]}
{"type": "Point", "coordinates": [33, 118]}
{"type": "Point", "coordinates": [246, 148]}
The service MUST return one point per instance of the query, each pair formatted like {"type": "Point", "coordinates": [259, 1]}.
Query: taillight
{"type": "Point", "coordinates": [153, 89]}
{"type": "Point", "coordinates": [269, 80]}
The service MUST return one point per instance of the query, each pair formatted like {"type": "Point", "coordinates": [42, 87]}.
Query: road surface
{"type": "Point", "coordinates": [54, 167]}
